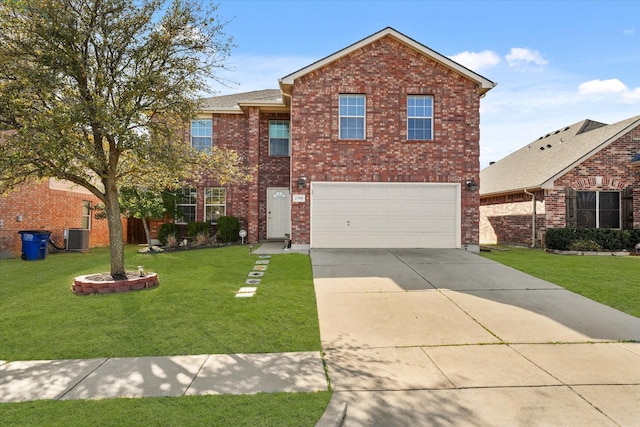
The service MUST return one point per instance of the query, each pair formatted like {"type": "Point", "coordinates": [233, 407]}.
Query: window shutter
{"type": "Point", "coordinates": [627, 208]}
{"type": "Point", "coordinates": [570, 208]}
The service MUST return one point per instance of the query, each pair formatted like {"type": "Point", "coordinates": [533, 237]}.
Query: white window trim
{"type": "Point", "coordinates": [289, 139]}
{"type": "Point", "coordinates": [88, 215]}
{"type": "Point", "coordinates": [207, 205]}
{"type": "Point", "coordinates": [364, 118]}
{"type": "Point", "coordinates": [420, 117]}
{"type": "Point", "coordinates": [210, 129]}
{"type": "Point", "coordinates": [194, 204]}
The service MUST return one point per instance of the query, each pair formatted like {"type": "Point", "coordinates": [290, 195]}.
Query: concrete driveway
{"type": "Point", "coordinates": [446, 337]}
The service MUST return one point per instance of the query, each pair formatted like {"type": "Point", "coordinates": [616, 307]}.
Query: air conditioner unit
{"type": "Point", "coordinates": [77, 239]}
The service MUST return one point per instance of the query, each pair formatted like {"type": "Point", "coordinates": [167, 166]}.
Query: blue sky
{"type": "Point", "coordinates": [555, 62]}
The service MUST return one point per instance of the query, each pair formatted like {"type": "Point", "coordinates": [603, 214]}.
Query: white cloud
{"type": "Point", "coordinates": [630, 31]}
{"type": "Point", "coordinates": [598, 87]}
{"type": "Point", "coordinates": [610, 87]}
{"type": "Point", "coordinates": [631, 96]}
{"type": "Point", "coordinates": [477, 60]}
{"type": "Point", "coordinates": [519, 56]}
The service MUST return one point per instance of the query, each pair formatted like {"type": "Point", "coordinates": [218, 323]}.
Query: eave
{"type": "Point", "coordinates": [484, 84]}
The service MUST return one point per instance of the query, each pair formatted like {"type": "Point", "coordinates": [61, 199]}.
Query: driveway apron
{"type": "Point", "coordinates": [446, 337]}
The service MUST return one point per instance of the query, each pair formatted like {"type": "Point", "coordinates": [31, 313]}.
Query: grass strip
{"type": "Point", "coordinates": [273, 409]}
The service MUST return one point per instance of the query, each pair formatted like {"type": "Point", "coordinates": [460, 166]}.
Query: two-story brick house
{"type": "Point", "coordinates": [376, 145]}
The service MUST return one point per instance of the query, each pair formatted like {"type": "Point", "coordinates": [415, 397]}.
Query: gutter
{"type": "Point", "coordinates": [533, 217]}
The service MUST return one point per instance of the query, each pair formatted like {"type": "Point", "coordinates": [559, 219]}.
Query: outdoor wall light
{"type": "Point", "coordinates": [302, 181]}
{"type": "Point", "coordinates": [471, 185]}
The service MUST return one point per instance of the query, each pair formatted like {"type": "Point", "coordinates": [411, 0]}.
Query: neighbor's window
{"type": "Point", "coordinates": [352, 116]}
{"type": "Point", "coordinates": [201, 134]}
{"type": "Point", "coordinates": [86, 215]}
{"type": "Point", "coordinates": [215, 204]}
{"type": "Point", "coordinates": [419, 118]}
{"type": "Point", "coordinates": [279, 137]}
{"type": "Point", "coordinates": [598, 209]}
{"type": "Point", "coordinates": [185, 205]}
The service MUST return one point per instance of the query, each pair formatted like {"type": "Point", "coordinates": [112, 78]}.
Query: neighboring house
{"type": "Point", "coordinates": [579, 176]}
{"type": "Point", "coordinates": [376, 145]}
{"type": "Point", "coordinates": [54, 206]}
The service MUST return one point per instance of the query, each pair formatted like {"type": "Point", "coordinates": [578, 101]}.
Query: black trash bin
{"type": "Point", "coordinates": [34, 244]}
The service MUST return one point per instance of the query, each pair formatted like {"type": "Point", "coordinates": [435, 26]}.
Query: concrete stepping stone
{"type": "Point", "coordinates": [252, 282]}
{"type": "Point", "coordinates": [256, 274]}
{"type": "Point", "coordinates": [260, 267]}
{"type": "Point", "coordinates": [245, 294]}
{"type": "Point", "coordinates": [262, 262]}
{"type": "Point", "coordinates": [264, 257]}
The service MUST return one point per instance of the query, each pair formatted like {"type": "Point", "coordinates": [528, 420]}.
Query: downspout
{"type": "Point", "coordinates": [533, 218]}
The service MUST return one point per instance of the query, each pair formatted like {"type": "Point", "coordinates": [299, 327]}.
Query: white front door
{"type": "Point", "coordinates": [278, 212]}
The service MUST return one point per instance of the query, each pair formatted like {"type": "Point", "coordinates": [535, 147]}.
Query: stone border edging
{"type": "Point", "coordinates": [83, 286]}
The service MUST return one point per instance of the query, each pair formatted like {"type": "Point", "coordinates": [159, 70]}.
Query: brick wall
{"type": "Point", "coordinates": [507, 219]}
{"type": "Point", "coordinates": [232, 131]}
{"type": "Point", "coordinates": [386, 71]}
{"type": "Point", "coordinates": [44, 208]}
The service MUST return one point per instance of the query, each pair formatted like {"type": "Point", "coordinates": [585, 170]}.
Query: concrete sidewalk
{"type": "Point", "coordinates": [446, 337]}
{"type": "Point", "coordinates": [162, 376]}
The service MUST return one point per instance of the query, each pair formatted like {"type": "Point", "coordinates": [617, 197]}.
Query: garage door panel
{"type": "Point", "coordinates": [378, 215]}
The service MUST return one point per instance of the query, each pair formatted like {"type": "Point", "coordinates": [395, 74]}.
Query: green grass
{"type": "Point", "coordinates": [277, 409]}
{"type": "Point", "coordinates": [614, 281]}
{"type": "Point", "coordinates": [193, 311]}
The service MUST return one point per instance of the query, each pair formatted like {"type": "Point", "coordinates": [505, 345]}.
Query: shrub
{"type": "Point", "coordinates": [166, 230]}
{"type": "Point", "coordinates": [172, 241]}
{"type": "Point", "coordinates": [606, 238]}
{"type": "Point", "coordinates": [584, 245]}
{"type": "Point", "coordinates": [228, 229]}
{"type": "Point", "coordinates": [195, 228]}
{"type": "Point", "coordinates": [202, 239]}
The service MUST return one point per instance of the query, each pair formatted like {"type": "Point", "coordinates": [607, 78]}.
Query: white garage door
{"type": "Point", "coordinates": [385, 215]}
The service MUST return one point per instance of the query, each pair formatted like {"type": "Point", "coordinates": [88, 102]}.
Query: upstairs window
{"type": "Point", "coordinates": [201, 134]}
{"type": "Point", "coordinates": [419, 118]}
{"type": "Point", "coordinates": [215, 204]}
{"type": "Point", "coordinates": [598, 209]}
{"type": "Point", "coordinates": [185, 206]}
{"type": "Point", "coordinates": [279, 137]}
{"type": "Point", "coordinates": [352, 116]}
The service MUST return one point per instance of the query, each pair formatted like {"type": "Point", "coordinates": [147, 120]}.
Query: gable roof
{"type": "Point", "coordinates": [484, 84]}
{"type": "Point", "coordinates": [538, 164]}
{"type": "Point", "coordinates": [234, 104]}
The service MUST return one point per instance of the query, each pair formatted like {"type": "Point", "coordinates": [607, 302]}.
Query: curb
{"type": "Point", "coordinates": [333, 418]}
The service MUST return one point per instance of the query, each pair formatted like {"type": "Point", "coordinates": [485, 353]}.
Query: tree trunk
{"type": "Point", "coordinates": [112, 209]}
{"type": "Point", "coordinates": [147, 233]}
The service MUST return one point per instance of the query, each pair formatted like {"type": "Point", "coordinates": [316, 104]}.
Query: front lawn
{"type": "Point", "coordinates": [614, 281]}
{"type": "Point", "coordinates": [193, 311]}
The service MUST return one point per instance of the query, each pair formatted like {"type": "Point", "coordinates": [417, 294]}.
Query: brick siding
{"type": "Point", "coordinates": [44, 208]}
{"type": "Point", "coordinates": [386, 71]}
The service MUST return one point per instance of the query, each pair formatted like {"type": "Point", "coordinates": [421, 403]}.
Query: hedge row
{"type": "Point", "coordinates": [606, 239]}
{"type": "Point", "coordinates": [228, 228]}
